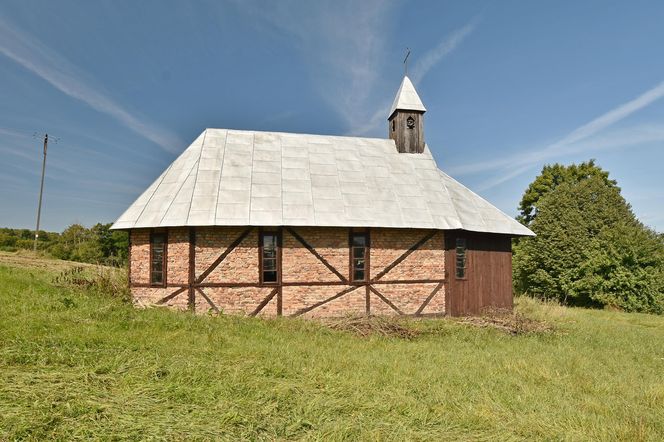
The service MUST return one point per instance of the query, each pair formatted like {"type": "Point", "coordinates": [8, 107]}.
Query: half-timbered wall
{"type": "Point", "coordinates": [405, 269]}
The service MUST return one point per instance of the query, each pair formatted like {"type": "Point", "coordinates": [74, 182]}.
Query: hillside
{"type": "Point", "coordinates": [78, 364]}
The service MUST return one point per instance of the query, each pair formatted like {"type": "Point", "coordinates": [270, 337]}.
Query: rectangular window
{"type": "Point", "coordinates": [461, 258]}
{"type": "Point", "coordinates": [269, 258]}
{"type": "Point", "coordinates": [158, 259]}
{"type": "Point", "coordinates": [359, 248]}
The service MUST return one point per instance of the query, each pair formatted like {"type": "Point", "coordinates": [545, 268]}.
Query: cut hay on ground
{"type": "Point", "coordinates": [508, 321]}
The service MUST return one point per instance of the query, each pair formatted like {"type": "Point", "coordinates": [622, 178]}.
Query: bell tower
{"type": "Point", "coordinates": [406, 119]}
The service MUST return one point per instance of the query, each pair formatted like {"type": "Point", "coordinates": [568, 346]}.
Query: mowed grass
{"type": "Point", "coordinates": [86, 366]}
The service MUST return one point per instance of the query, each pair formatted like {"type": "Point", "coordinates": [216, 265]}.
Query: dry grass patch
{"type": "Point", "coordinates": [365, 326]}
{"type": "Point", "coordinates": [508, 321]}
{"type": "Point", "coordinates": [26, 259]}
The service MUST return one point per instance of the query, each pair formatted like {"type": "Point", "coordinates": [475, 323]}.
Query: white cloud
{"type": "Point", "coordinates": [342, 44]}
{"type": "Point", "coordinates": [573, 142]}
{"type": "Point", "coordinates": [60, 73]}
{"type": "Point", "coordinates": [442, 50]}
{"type": "Point", "coordinates": [430, 59]}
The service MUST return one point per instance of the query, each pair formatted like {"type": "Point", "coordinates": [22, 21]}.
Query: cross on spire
{"type": "Point", "coordinates": [405, 62]}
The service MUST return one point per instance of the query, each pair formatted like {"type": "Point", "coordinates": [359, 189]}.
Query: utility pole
{"type": "Point", "coordinates": [41, 191]}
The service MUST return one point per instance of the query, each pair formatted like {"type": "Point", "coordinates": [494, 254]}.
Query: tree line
{"type": "Point", "coordinates": [97, 244]}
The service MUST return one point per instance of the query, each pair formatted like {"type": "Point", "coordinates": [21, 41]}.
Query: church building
{"type": "Point", "coordinates": [271, 223]}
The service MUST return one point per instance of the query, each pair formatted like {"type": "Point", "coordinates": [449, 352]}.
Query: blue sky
{"type": "Point", "coordinates": [509, 86]}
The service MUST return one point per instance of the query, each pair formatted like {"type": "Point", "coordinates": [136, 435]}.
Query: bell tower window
{"type": "Point", "coordinates": [410, 123]}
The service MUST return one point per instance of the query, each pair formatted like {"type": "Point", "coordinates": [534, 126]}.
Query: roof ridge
{"type": "Point", "coordinates": [298, 134]}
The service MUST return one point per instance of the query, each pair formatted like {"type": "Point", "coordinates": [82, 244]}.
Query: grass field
{"type": "Point", "coordinates": [79, 365]}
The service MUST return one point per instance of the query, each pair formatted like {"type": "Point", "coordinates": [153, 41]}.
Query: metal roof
{"type": "Point", "coordinates": [232, 177]}
{"type": "Point", "coordinates": [407, 98]}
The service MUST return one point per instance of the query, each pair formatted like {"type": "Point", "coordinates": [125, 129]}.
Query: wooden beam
{"type": "Point", "coordinates": [228, 284]}
{"type": "Point", "coordinates": [408, 281]}
{"type": "Point", "coordinates": [280, 249]}
{"type": "Point", "coordinates": [313, 251]}
{"type": "Point", "coordinates": [429, 298]}
{"type": "Point", "coordinates": [298, 283]}
{"type": "Point", "coordinates": [367, 262]}
{"type": "Point", "coordinates": [264, 302]}
{"type": "Point", "coordinates": [318, 304]}
{"type": "Point", "coordinates": [312, 283]}
{"type": "Point", "coordinates": [223, 256]}
{"type": "Point", "coordinates": [405, 255]}
{"type": "Point", "coordinates": [209, 301]}
{"type": "Point", "coordinates": [129, 259]}
{"type": "Point", "coordinates": [191, 303]}
{"type": "Point", "coordinates": [387, 301]}
{"type": "Point", "coordinates": [171, 296]}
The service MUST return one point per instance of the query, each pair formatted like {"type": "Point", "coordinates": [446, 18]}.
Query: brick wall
{"type": "Point", "coordinates": [299, 265]}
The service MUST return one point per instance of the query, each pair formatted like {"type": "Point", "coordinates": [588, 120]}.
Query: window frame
{"type": "Point", "coordinates": [351, 255]}
{"type": "Point", "coordinates": [461, 243]}
{"type": "Point", "coordinates": [261, 271]}
{"type": "Point", "coordinates": [164, 258]}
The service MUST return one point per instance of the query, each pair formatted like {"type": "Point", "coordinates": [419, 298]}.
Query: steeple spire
{"type": "Point", "coordinates": [406, 119]}
{"type": "Point", "coordinates": [407, 98]}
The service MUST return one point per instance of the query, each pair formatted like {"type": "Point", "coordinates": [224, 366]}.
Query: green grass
{"type": "Point", "coordinates": [85, 366]}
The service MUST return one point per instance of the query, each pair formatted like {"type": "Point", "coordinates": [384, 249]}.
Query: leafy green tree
{"type": "Point", "coordinates": [590, 250]}
{"type": "Point", "coordinates": [97, 244]}
{"type": "Point", "coordinates": [113, 244]}
{"type": "Point", "coordinates": [551, 177]}
{"type": "Point", "coordinates": [624, 268]}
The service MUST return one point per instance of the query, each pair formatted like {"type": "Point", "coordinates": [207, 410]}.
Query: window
{"type": "Point", "coordinates": [158, 259]}
{"type": "Point", "coordinates": [460, 257]}
{"type": "Point", "coordinates": [269, 258]}
{"type": "Point", "coordinates": [410, 123]}
{"type": "Point", "coordinates": [359, 247]}
{"type": "Point", "coordinates": [394, 126]}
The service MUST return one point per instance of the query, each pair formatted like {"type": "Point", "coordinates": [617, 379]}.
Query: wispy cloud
{"type": "Point", "coordinates": [442, 50]}
{"type": "Point", "coordinates": [430, 59]}
{"type": "Point", "coordinates": [625, 138]}
{"type": "Point", "coordinates": [574, 141]}
{"type": "Point", "coordinates": [342, 44]}
{"type": "Point", "coordinates": [63, 75]}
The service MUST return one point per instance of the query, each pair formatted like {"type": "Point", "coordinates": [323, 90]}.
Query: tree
{"type": "Point", "coordinates": [624, 268]}
{"type": "Point", "coordinates": [551, 177]}
{"type": "Point", "coordinates": [590, 250]}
